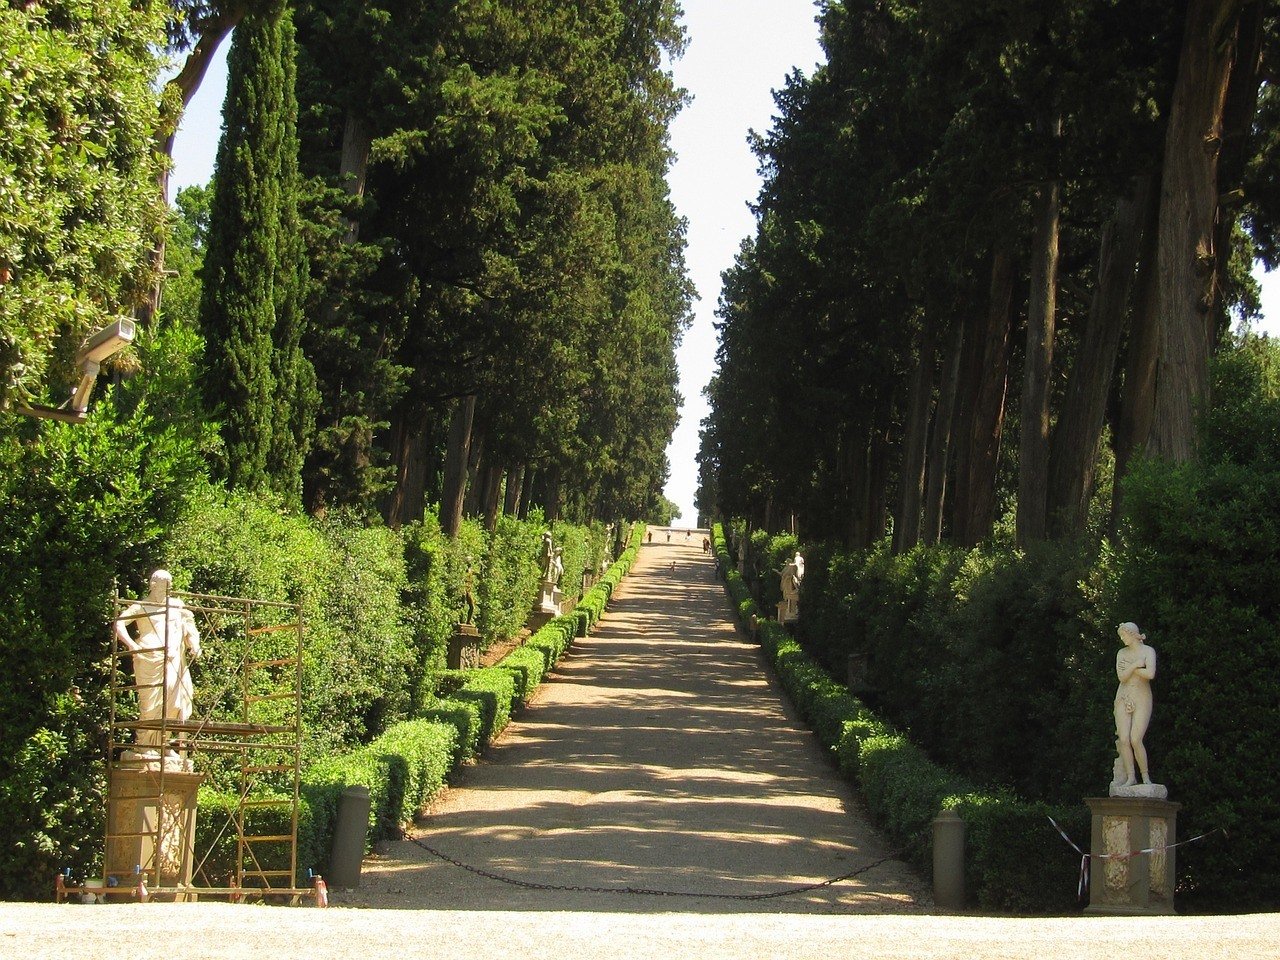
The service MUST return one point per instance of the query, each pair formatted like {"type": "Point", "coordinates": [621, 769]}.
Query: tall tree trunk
{"type": "Point", "coordinates": [938, 462]}
{"type": "Point", "coordinates": [1138, 396]}
{"type": "Point", "coordinates": [915, 439]}
{"type": "Point", "coordinates": [1074, 456]}
{"type": "Point", "coordinates": [551, 498]}
{"type": "Point", "coordinates": [353, 167]}
{"type": "Point", "coordinates": [1042, 305]}
{"type": "Point", "coordinates": [511, 502]}
{"type": "Point", "coordinates": [1188, 208]}
{"type": "Point", "coordinates": [1238, 114]}
{"type": "Point", "coordinates": [878, 472]}
{"type": "Point", "coordinates": [493, 497]}
{"type": "Point", "coordinates": [472, 504]}
{"type": "Point", "coordinates": [187, 81]}
{"type": "Point", "coordinates": [858, 454]}
{"type": "Point", "coordinates": [528, 491]}
{"type": "Point", "coordinates": [455, 466]}
{"type": "Point", "coordinates": [407, 500]}
{"type": "Point", "coordinates": [987, 399]}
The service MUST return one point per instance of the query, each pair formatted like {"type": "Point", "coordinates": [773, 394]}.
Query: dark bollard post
{"type": "Point", "coordinates": [948, 860]}
{"type": "Point", "coordinates": [349, 831]}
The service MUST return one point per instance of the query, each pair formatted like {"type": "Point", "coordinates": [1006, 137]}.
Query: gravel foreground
{"type": "Point", "coordinates": [219, 931]}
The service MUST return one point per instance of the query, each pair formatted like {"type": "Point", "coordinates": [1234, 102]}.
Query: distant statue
{"type": "Point", "coordinates": [468, 592]}
{"type": "Point", "coordinates": [166, 636]}
{"type": "Point", "coordinates": [556, 570]}
{"type": "Point", "coordinates": [545, 553]}
{"type": "Point", "coordinates": [792, 574]}
{"type": "Point", "coordinates": [1135, 669]}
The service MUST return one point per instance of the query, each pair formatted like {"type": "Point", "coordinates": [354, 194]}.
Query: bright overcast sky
{"type": "Point", "coordinates": [739, 52]}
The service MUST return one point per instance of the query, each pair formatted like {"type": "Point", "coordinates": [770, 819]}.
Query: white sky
{"type": "Point", "coordinates": [739, 52]}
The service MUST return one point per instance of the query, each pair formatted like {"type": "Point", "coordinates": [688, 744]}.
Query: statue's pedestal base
{"type": "Point", "coordinates": [464, 648]}
{"type": "Point", "coordinates": [1146, 791]}
{"type": "Point", "coordinates": [138, 814]}
{"type": "Point", "coordinates": [550, 601]}
{"type": "Point", "coordinates": [1122, 881]}
{"type": "Point", "coordinates": [788, 610]}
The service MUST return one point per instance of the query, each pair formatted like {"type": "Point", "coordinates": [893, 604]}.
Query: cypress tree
{"type": "Point", "coordinates": [257, 382]}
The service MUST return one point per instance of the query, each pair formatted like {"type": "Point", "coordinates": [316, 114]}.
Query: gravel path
{"type": "Point", "coordinates": [659, 756]}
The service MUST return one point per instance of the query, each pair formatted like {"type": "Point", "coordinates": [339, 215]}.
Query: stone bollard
{"type": "Point", "coordinates": [948, 860]}
{"type": "Point", "coordinates": [349, 831]}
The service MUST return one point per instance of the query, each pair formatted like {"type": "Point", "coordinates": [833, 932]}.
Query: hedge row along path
{"type": "Point", "coordinates": [660, 755]}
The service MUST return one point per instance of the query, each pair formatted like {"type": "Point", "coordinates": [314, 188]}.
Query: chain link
{"type": "Point", "coordinates": [647, 892]}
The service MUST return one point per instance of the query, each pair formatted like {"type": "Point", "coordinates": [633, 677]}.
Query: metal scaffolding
{"type": "Point", "coordinates": [242, 739]}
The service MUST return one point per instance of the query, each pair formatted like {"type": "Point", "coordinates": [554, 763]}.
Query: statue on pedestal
{"type": "Point", "coordinates": [468, 592]}
{"type": "Point", "coordinates": [1135, 669]}
{"type": "Point", "coordinates": [166, 637]}
{"type": "Point", "coordinates": [552, 570]}
{"type": "Point", "coordinates": [792, 574]}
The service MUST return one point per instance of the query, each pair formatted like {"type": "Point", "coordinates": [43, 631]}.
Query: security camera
{"type": "Point", "coordinates": [101, 346]}
{"type": "Point", "coordinates": [106, 343]}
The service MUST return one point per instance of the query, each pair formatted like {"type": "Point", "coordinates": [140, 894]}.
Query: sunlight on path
{"type": "Point", "coordinates": [659, 756]}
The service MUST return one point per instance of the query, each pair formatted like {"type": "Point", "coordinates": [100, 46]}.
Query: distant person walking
{"type": "Point", "coordinates": [649, 537]}
{"type": "Point", "coordinates": [668, 536]}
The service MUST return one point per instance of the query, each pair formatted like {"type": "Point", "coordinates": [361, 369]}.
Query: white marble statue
{"type": "Point", "coordinates": [556, 570]}
{"type": "Point", "coordinates": [792, 574]}
{"type": "Point", "coordinates": [1135, 669]}
{"type": "Point", "coordinates": [166, 637]}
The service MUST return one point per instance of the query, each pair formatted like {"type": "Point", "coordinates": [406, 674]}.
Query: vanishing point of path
{"type": "Point", "coordinates": [659, 755]}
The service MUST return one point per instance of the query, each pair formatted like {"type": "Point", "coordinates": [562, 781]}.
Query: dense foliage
{"type": "Point", "coordinates": [257, 382]}
{"type": "Point", "coordinates": [999, 662]}
{"type": "Point", "coordinates": [78, 209]}
{"type": "Point", "coordinates": [78, 505]}
{"type": "Point", "coordinates": [982, 233]}
{"type": "Point", "coordinates": [496, 203]}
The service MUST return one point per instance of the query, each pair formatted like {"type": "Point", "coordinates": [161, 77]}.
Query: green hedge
{"type": "Point", "coordinates": [1014, 861]}
{"type": "Point", "coordinates": [403, 769]}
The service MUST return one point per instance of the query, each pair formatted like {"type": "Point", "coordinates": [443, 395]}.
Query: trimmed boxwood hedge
{"type": "Point", "coordinates": [1014, 860]}
{"type": "Point", "coordinates": [408, 765]}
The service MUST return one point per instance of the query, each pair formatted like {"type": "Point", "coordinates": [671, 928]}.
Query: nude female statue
{"type": "Point", "coordinates": [1135, 669]}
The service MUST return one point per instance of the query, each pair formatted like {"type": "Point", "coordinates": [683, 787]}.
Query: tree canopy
{"type": "Point", "coordinates": [961, 279]}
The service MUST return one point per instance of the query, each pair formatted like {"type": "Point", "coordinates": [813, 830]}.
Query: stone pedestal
{"type": "Point", "coordinates": [1140, 884]}
{"type": "Point", "coordinates": [464, 648]}
{"type": "Point", "coordinates": [788, 610]}
{"type": "Point", "coordinates": [134, 811]}
{"type": "Point", "coordinates": [550, 600]}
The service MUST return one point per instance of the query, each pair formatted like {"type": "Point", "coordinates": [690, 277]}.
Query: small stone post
{"type": "Point", "coordinates": [464, 648]}
{"type": "Point", "coordinates": [349, 830]}
{"type": "Point", "coordinates": [948, 860]}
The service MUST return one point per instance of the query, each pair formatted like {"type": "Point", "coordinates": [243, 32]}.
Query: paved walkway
{"type": "Point", "coordinates": [659, 756]}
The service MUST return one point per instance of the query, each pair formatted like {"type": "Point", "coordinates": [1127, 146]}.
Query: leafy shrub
{"type": "Point", "coordinates": [349, 579]}
{"type": "Point", "coordinates": [81, 508]}
{"type": "Point", "coordinates": [403, 769]}
{"type": "Point", "coordinates": [1198, 573]}
{"type": "Point", "coordinates": [492, 690]}
{"type": "Point", "coordinates": [1013, 859]}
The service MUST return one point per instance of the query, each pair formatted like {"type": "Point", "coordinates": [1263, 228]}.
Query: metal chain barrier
{"type": "Point", "coordinates": [647, 892]}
